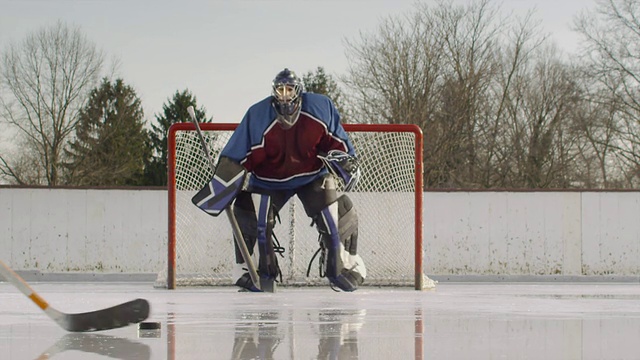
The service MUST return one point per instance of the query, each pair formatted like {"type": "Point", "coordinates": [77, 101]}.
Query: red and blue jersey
{"type": "Point", "coordinates": [284, 159]}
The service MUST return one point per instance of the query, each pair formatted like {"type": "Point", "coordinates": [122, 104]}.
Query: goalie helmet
{"type": "Point", "coordinates": [287, 97]}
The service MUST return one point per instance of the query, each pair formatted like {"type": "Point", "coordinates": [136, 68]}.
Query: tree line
{"type": "Point", "coordinates": [76, 128]}
{"type": "Point", "coordinates": [499, 104]}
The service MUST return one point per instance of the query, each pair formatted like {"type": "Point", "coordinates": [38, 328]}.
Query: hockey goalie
{"type": "Point", "coordinates": [290, 143]}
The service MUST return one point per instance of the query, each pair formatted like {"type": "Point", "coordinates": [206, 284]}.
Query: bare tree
{"type": "Point", "coordinates": [451, 70]}
{"type": "Point", "coordinates": [44, 82]}
{"type": "Point", "coordinates": [429, 68]}
{"type": "Point", "coordinates": [394, 73]}
{"type": "Point", "coordinates": [611, 59]}
{"type": "Point", "coordinates": [539, 123]}
{"type": "Point", "coordinates": [595, 125]}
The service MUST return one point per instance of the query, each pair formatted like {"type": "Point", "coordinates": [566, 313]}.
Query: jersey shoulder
{"type": "Point", "coordinates": [318, 106]}
{"type": "Point", "coordinates": [310, 99]}
{"type": "Point", "coordinates": [261, 110]}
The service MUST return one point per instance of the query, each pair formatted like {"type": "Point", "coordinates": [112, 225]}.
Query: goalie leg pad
{"type": "Point", "coordinates": [318, 195]}
{"type": "Point", "coordinates": [337, 224]}
{"type": "Point", "coordinates": [268, 264]}
{"type": "Point", "coordinates": [348, 224]}
{"type": "Point", "coordinates": [256, 228]}
{"type": "Point", "coordinates": [246, 216]}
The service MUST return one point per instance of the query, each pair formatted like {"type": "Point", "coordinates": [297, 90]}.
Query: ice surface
{"type": "Point", "coordinates": [452, 321]}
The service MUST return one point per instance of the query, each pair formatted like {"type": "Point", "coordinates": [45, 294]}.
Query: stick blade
{"type": "Point", "coordinates": [114, 317]}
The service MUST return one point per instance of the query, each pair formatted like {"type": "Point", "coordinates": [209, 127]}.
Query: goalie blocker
{"type": "Point", "coordinates": [223, 188]}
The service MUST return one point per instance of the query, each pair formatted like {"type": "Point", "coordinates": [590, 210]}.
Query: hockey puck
{"type": "Point", "coordinates": [149, 325]}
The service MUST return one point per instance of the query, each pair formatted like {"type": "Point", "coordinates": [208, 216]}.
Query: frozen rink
{"type": "Point", "coordinates": [452, 321]}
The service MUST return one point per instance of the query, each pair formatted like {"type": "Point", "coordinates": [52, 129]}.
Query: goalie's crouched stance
{"type": "Point", "coordinates": [335, 219]}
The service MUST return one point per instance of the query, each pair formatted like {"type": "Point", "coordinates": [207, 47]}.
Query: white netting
{"type": "Point", "coordinates": [384, 199]}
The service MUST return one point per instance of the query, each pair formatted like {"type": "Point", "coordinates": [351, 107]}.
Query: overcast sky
{"type": "Point", "coordinates": [227, 52]}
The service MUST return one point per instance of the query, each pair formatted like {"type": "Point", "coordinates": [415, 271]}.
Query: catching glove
{"type": "Point", "coordinates": [342, 165]}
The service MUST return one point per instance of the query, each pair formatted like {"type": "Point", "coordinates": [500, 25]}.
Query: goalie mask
{"type": "Point", "coordinates": [287, 97]}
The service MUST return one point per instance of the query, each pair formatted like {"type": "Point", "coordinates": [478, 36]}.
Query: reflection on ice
{"type": "Point", "coordinates": [480, 321]}
{"type": "Point", "coordinates": [104, 345]}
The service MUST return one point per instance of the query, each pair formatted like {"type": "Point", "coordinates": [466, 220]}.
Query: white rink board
{"type": "Point", "coordinates": [80, 230]}
{"type": "Point", "coordinates": [503, 233]}
{"type": "Point", "coordinates": [465, 233]}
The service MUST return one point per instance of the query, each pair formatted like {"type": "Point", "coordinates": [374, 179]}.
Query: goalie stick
{"type": "Point", "coordinates": [114, 317]}
{"type": "Point", "coordinates": [253, 273]}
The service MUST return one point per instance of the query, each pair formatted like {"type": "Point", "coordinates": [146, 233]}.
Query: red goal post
{"type": "Point", "coordinates": [388, 200]}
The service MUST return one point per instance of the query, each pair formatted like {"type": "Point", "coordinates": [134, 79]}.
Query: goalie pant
{"type": "Point", "coordinates": [335, 219]}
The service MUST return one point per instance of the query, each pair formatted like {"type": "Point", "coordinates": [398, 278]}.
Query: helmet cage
{"type": "Point", "coordinates": [287, 97]}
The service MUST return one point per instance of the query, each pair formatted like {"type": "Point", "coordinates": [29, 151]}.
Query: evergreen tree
{"type": "Point", "coordinates": [174, 111]}
{"type": "Point", "coordinates": [322, 83]}
{"type": "Point", "coordinates": [109, 145]}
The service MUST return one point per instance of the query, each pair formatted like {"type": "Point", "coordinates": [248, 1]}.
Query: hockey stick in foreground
{"type": "Point", "coordinates": [114, 317]}
{"type": "Point", "coordinates": [253, 273]}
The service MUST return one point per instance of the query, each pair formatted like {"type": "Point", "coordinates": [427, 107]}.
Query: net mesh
{"type": "Point", "coordinates": [384, 199]}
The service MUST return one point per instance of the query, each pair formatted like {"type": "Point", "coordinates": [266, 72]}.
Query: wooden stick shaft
{"type": "Point", "coordinates": [253, 273]}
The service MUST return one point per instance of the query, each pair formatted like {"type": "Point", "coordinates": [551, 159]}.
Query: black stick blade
{"type": "Point", "coordinates": [114, 317]}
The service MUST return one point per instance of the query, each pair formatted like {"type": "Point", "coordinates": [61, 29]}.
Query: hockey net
{"type": "Point", "coordinates": [387, 198]}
